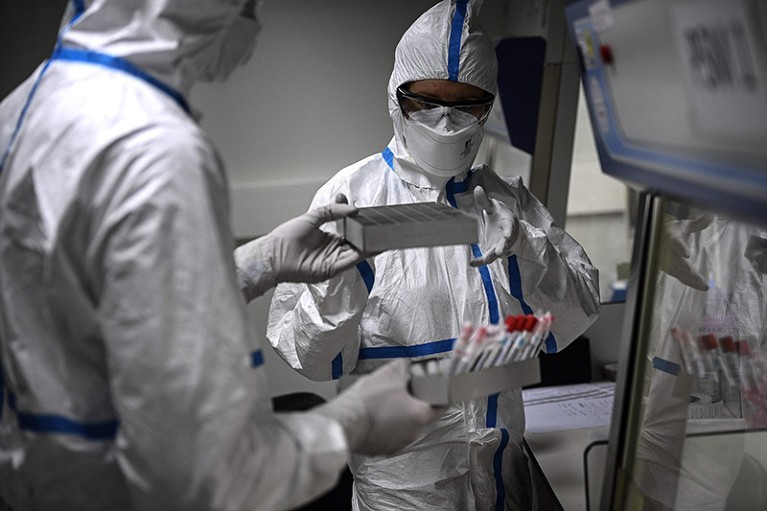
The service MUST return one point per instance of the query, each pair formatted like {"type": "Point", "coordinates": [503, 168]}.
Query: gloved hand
{"type": "Point", "coordinates": [756, 253]}
{"type": "Point", "coordinates": [377, 413]}
{"type": "Point", "coordinates": [296, 251]}
{"type": "Point", "coordinates": [676, 261]}
{"type": "Point", "coordinates": [501, 228]}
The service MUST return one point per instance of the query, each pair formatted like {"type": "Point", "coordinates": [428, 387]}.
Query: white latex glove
{"type": "Point", "coordinates": [501, 228]}
{"type": "Point", "coordinates": [756, 253]}
{"type": "Point", "coordinates": [677, 259]}
{"type": "Point", "coordinates": [296, 251]}
{"type": "Point", "coordinates": [377, 412]}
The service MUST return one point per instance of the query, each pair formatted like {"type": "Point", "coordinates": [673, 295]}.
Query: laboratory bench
{"type": "Point", "coordinates": [566, 442]}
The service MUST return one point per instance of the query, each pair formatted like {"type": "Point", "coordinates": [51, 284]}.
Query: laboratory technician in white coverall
{"type": "Point", "coordinates": [130, 379]}
{"type": "Point", "coordinates": [412, 303]}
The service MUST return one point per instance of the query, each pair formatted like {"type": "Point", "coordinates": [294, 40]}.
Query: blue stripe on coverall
{"type": "Point", "coordinates": [515, 287]}
{"type": "Point", "coordinates": [368, 277]}
{"type": "Point", "coordinates": [57, 424]}
{"type": "Point", "coordinates": [54, 424]}
{"type": "Point", "coordinates": [89, 57]}
{"type": "Point", "coordinates": [79, 7]}
{"type": "Point", "coordinates": [46, 423]}
{"type": "Point", "coordinates": [500, 494]}
{"type": "Point", "coordinates": [110, 62]}
{"type": "Point", "coordinates": [452, 188]}
{"type": "Point", "coordinates": [492, 401]}
{"type": "Point", "coordinates": [666, 366]}
{"type": "Point", "coordinates": [454, 44]}
{"type": "Point", "coordinates": [414, 350]}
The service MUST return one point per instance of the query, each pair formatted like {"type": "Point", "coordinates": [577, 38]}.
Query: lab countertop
{"type": "Point", "coordinates": [567, 431]}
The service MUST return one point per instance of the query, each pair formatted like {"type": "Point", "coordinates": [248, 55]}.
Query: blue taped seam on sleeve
{"type": "Point", "coordinates": [500, 487]}
{"type": "Point", "coordinates": [256, 358]}
{"type": "Point", "coordinates": [417, 350]}
{"type": "Point", "coordinates": [487, 282]}
{"type": "Point", "coordinates": [551, 344]}
{"type": "Point", "coordinates": [367, 274]}
{"type": "Point", "coordinates": [666, 366]}
{"type": "Point", "coordinates": [337, 367]}
{"type": "Point", "coordinates": [61, 425]}
{"type": "Point", "coordinates": [43, 423]}
{"type": "Point", "coordinates": [515, 288]}
{"type": "Point", "coordinates": [454, 43]}
{"type": "Point", "coordinates": [515, 284]}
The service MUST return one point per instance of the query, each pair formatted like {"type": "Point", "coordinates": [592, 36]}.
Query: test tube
{"type": "Point", "coordinates": [496, 335]}
{"type": "Point", "coordinates": [539, 335]}
{"type": "Point", "coordinates": [459, 348]}
{"type": "Point", "coordinates": [729, 349]}
{"type": "Point", "coordinates": [749, 374]}
{"type": "Point", "coordinates": [513, 324]}
{"type": "Point", "coordinates": [731, 397]}
{"type": "Point", "coordinates": [706, 354]}
{"type": "Point", "coordinates": [473, 347]}
{"type": "Point", "coordinates": [692, 348]}
{"type": "Point", "coordinates": [522, 339]}
{"type": "Point", "coordinates": [417, 370]}
{"type": "Point", "coordinates": [687, 357]}
{"type": "Point", "coordinates": [712, 347]}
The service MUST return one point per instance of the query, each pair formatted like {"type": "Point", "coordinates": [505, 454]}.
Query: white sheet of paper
{"type": "Point", "coordinates": [562, 407]}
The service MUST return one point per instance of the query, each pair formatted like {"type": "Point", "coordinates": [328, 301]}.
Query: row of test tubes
{"type": "Point", "coordinates": [742, 372]}
{"type": "Point", "coordinates": [519, 338]}
{"type": "Point", "coordinates": [734, 360]}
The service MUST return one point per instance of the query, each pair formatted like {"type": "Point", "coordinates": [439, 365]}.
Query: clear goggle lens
{"type": "Point", "coordinates": [410, 103]}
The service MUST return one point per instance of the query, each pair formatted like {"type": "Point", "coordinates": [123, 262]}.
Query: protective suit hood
{"type": "Point", "coordinates": [444, 43]}
{"type": "Point", "coordinates": [176, 41]}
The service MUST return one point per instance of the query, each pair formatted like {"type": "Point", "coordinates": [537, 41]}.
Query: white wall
{"type": "Point", "coordinates": [591, 191]}
{"type": "Point", "coordinates": [311, 100]}
{"type": "Point", "coordinates": [597, 207]}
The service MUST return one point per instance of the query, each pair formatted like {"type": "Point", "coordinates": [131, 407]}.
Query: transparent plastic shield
{"type": "Point", "coordinates": [690, 426]}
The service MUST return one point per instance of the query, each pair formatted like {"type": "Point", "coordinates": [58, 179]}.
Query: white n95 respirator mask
{"type": "Point", "coordinates": [442, 141]}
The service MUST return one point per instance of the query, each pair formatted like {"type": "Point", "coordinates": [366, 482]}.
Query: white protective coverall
{"type": "Point", "coordinates": [412, 303]}
{"type": "Point", "coordinates": [102, 230]}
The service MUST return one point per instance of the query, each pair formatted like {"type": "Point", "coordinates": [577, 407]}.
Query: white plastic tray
{"type": "Point", "coordinates": [422, 224]}
{"type": "Point", "coordinates": [445, 390]}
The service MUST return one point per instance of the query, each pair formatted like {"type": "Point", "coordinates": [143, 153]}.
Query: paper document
{"type": "Point", "coordinates": [585, 405]}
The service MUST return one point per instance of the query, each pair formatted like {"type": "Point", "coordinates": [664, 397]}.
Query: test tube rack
{"type": "Point", "coordinates": [446, 389]}
{"type": "Point", "coordinates": [398, 226]}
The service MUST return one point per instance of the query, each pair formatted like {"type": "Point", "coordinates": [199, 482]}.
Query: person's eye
{"type": "Point", "coordinates": [414, 104]}
{"type": "Point", "coordinates": [474, 110]}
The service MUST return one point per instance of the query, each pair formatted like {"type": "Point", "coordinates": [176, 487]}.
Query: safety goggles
{"type": "Point", "coordinates": [410, 102]}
